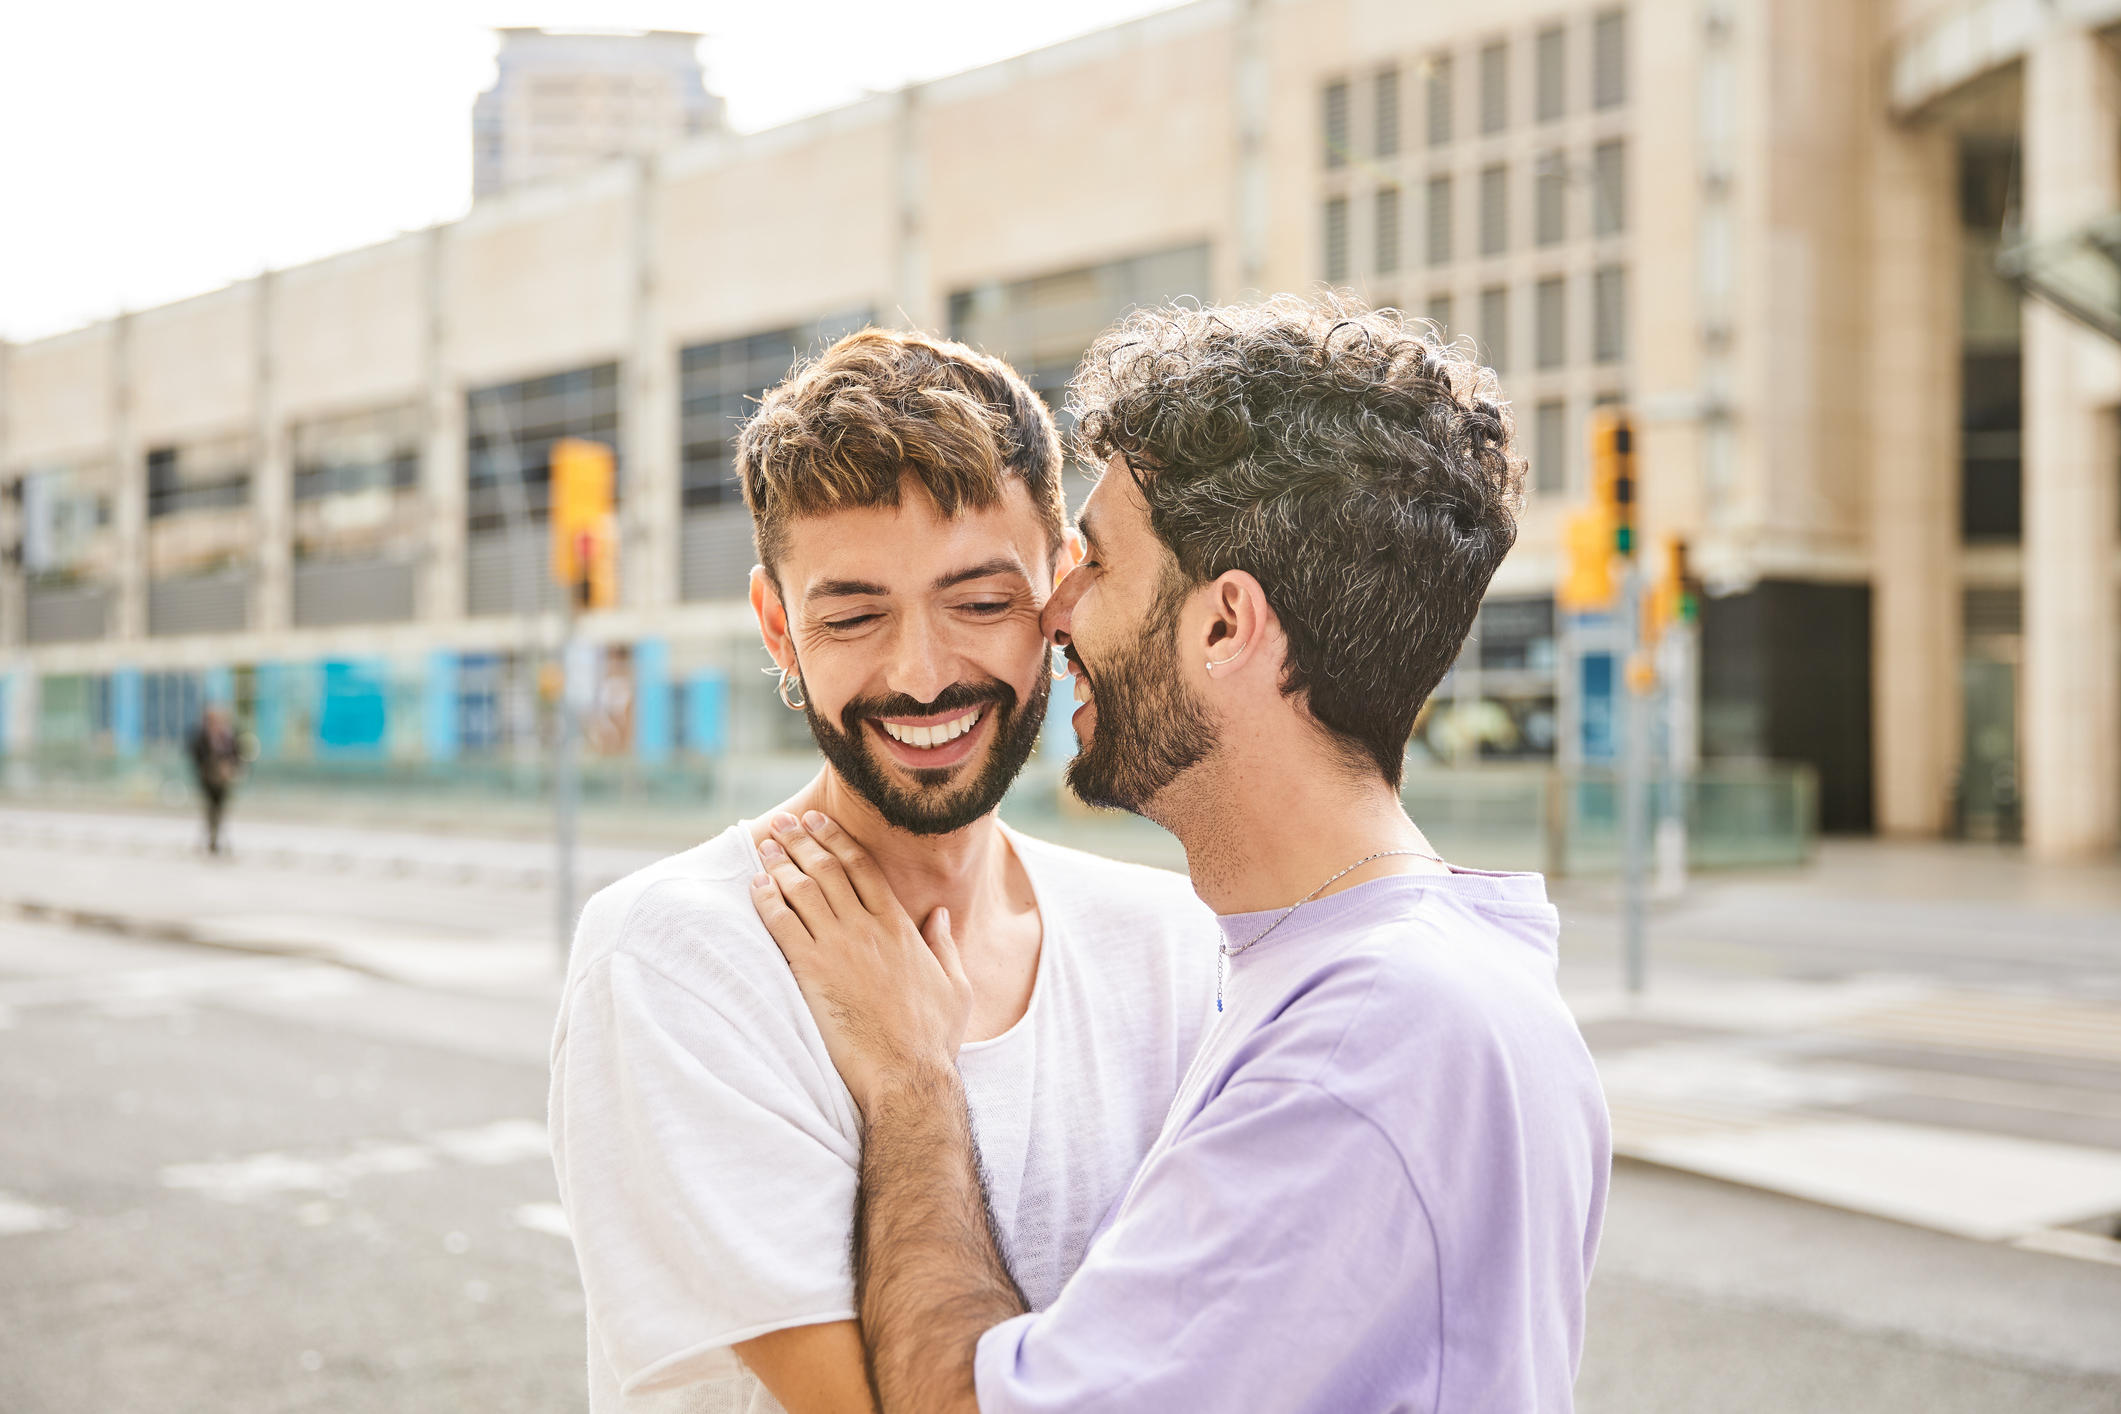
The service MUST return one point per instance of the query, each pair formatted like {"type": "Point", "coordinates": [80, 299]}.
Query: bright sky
{"type": "Point", "coordinates": [151, 150]}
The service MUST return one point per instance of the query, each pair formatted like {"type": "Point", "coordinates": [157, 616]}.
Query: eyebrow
{"type": "Point", "coordinates": [843, 588]}
{"type": "Point", "coordinates": [1084, 529]}
{"type": "Point", "coordinates": [1000, 564]}
{"type": "Point", "coordinates": [850, 588]}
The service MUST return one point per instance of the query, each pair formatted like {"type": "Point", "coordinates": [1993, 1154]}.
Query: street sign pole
{"type": "Point", "coordinates": [585, 566]}
{"type": "Point", "coordinates": [1634, 786]}
{"type": "Point", "coordinates": [566, 784]}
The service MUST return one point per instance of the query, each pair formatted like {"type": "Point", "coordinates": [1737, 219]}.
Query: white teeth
{"type": "Point", "coordinates": [927, 737]}
{"type": "Point", "coordinates": [1082, 689]}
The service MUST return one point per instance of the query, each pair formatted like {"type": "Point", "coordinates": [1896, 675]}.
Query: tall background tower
{"type": "Point", "coordinates": [566, 99]}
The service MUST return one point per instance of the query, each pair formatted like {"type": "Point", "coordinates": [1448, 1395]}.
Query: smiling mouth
{"type": "Point", "coordinates": [935, 734]}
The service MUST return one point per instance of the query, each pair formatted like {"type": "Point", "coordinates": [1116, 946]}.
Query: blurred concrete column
{"type": "Point", "coordinates": [1914, 338]}
{"type": "Point", "coordinates": [914, 303]}
{"type": "Point", "coordinates": [2071, 727]}
{"type": "Point", "coordinates": [272, 482]}
{"type": "Point", "coordinates": [442, 453]}
{"type": "Point", "coordinates": [128, 492]}
{"type": "Point", "coordinates": [12, 627]}
{"type": "Point", "coordinates": [1251, 103]}
{"type": "Point", "coordinates": [652, 498]}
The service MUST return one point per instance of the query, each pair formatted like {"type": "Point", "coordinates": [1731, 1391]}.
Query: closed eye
{"type": "Point", "coordinates": [855, 622]}
{"type": "Point", "coordinates": [998, 606]}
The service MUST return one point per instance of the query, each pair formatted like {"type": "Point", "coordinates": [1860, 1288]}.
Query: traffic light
{"type": "Point", "coordinates": [1587, 549]}
{"type": "Point", "coordinates": [1613, 474]}
{"type": "Point", "coordinates": [1672, 596]}
{"type": "Point", "coordinates": [584, 535]}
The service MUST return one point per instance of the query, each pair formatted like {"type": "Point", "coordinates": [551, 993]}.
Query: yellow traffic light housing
{"type": "Point", "coordinates": [1587, 583]}
{"type": "Point", "coordinates": [584, 532]}
{"type": "Point", "coordinates": [1613, 474]}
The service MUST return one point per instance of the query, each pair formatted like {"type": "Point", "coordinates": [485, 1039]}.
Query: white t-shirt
{"type": "Point", "coordinates": [707, 1151]}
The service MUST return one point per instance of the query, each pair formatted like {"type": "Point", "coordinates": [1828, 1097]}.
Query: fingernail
{"type": "Point", "coordinates": [815, 819]}
{"type": "Point", "coordinates": [782, 822]}
{"type": "Point", "coordinates": [771, 849]}
{"type": "Point", "coordinates": [760, 881]}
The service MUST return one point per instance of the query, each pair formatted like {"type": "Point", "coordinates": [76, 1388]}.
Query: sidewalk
{"type": "Point", "coordinates": [1923, 1033]}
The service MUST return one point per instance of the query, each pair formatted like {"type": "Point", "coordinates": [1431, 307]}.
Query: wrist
{"type": "Point", "coordinates": [915, 1083]}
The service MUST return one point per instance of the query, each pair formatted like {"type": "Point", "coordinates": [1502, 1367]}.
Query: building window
{"type": "Point", "coordinates": [1336, 117]}
{"type": "Point", "coordinates": [1494, 87]}
{"type": "Point", "coordinates": [1551, 317]}
{"type": "Point", "coordinates": [1494, 209]}
{"type": "Point", "coordinates": [1437, 99]}
{"type": "Point", "coordinates": [1550, 447]}
{"type": "Point", "coordinates": [719, 388]}
{"type": "Point", "coordinates": [344, 456]}
{"type": "Point", "coordinates": [1609, 314]}
{"type": "Point", "coordinates": [1042, 323]}
{"type": "Point", "coordinates": [198, 476]}
{"type": "Point", "coordinates": [510, 429]}
{"type": "Point", "coordinates": [1495, 327]}
{"type": "Point", "coordinates": [1438, 313]}
{"type": "Point", "coordinates": [1609, 188]}
{"type": "Point", "coordinates": [1439, 214]}
{"type": "Point", "coordinates": [1552, 91]}
{"type": "Point", "coordinates": [1609, 59]}
{"type": "Point", "coordinates": [1550, 195]}
{"type": "Point", "coordinates": [1336, 239]}
{"type": "Point", "coordinates": [1387, 230]}
{"type": "Point", "coordinates": [1387, 112]}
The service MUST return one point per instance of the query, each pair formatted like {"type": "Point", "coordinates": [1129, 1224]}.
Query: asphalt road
{"type": "Point", "coordinates": [239, 1183]}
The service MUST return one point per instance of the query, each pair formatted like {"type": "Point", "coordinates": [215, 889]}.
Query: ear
{"type": "Point", "coordinates": [1239, 634]}
{"type": "Point", "coordinates": [772, 617]}
{"type": "Point", "coordinates": [1073, 552]}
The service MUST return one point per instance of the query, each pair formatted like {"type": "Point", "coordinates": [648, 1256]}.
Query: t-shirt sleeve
{"type": "Point", "coordinates": [708, 1186]}
{"type": "Point", "coordinates": [1272, 1259]}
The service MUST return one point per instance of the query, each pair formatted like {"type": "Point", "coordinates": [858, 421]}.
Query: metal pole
{"type": "Point", "coordinates": [1634, 787]}
{"type": "Point", "coordinates": [566, 786]}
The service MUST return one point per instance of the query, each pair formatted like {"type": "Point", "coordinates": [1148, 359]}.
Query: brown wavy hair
{"type": "Point", "coordinates": [843, 430]}
{"type": "Point", "coordinates": [1358, 468]}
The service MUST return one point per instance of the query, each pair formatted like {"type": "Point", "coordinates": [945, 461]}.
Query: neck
{"type": "Point", "coordinates": [965, 871]}
{"type": "Point", "coordinates": [1257, 838]}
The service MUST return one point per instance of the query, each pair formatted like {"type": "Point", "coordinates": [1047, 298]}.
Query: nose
{"type": "Point", "coordinates": [923, 663]}
{"type": "Point", "coordinates": [1057, 618]}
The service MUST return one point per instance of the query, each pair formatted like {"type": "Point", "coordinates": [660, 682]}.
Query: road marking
{"type": "Point", "coordinates": [258, 1176]}
{"type": "Point", "coordinates": [19, 1216]}
{"type": "Point", "coordinates": [2068, 1242]}
{"type": "Point", "coordinates": [548, 1218]}
{"type": "Point", "coordinates": [1986, 1186]}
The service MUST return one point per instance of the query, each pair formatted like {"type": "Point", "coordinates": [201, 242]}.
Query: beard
{"type": "Point", "coordinates": [932, 805]}
{"type": "Point", "coordinates": [1151, 728]}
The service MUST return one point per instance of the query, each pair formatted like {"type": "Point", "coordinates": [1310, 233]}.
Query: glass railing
{"type": "Point", "coordinates": [1493, 816]}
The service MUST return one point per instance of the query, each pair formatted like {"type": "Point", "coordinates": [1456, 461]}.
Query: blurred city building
{"type": "Point", "coordinates": [1771, 227]}
{"type": "Point", "coordinates": [564, 100]}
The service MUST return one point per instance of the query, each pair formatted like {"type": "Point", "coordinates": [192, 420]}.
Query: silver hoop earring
{"type": "Point", "coordinates": [792, 682]}
{"type": "Point", "coordinates": [1058, 669]}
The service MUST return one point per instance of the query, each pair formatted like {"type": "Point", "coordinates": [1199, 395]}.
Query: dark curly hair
{"type": "Point", "coordinates": [1355, 466]}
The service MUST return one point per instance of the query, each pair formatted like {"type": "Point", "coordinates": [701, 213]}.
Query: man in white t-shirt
{"type": "Point", "coordinates": [906, 500]}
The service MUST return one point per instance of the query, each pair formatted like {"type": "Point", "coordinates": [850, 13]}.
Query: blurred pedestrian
{"type": "Point", "coordinates": [216, 758]}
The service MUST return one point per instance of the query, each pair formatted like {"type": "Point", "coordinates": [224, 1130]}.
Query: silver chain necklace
{"type": "Point", "coordinates": [1229, 952]}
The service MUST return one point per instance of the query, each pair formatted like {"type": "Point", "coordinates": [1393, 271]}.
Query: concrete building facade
{"type": "Point", "coordinates": [1769, 227]}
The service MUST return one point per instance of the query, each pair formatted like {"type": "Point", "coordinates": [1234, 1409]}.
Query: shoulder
{"type": "Point", "coordinates": [1429, 993]}
{"type": "Point", "coordinates": [687, 918]}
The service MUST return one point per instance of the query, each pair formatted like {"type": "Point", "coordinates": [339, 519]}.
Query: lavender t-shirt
{"type": "Point", "coordinates": [1379, 1187]}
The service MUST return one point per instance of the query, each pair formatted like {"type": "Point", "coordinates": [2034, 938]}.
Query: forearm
{"type": "Point", "coordinates": [929, 1275]}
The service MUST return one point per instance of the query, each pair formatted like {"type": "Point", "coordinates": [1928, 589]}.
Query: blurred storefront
{"type": "Point", "coordinates": [1772, 228]}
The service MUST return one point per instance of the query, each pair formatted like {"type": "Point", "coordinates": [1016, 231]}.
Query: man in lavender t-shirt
{"type": "Point", "coordinates": [1381, 1182]}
